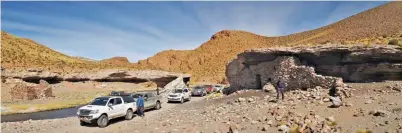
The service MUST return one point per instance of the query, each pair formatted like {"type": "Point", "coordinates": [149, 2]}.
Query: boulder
{"type": "Point", "coordinates": [336, 102]}
{"type": "Point", "coordinates": [269, 88]}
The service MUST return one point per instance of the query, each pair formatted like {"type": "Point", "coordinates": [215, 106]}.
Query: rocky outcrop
{"type": "Point", "coordinates": [307, 67]}
{"type": "Point", "coordinates": [161, 78]}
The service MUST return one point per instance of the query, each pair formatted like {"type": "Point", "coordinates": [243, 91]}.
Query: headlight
{"type": "Point", "coordinates": [94, 111]}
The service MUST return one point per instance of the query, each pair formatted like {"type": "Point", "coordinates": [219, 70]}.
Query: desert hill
{"type": "Point", "coordinates": [21, 53]}
{"type": "Point", "coordinates": [207, 62]}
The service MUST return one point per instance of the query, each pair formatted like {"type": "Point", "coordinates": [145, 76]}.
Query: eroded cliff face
{"type": "Point", "coordinates": [161, 78]}
{"type": "Point", "coordinates": [307, 67]}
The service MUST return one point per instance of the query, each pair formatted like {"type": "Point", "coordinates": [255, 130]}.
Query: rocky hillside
{"type": "Point", "coordinates": [116, 60]}
{"type": "Point", "coordinates": [207, 62]}
{"type": "Point", "coordinates": [22, 53]}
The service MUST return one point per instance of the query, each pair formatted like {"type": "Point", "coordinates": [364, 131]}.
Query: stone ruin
{"type": "Point", "coordinates": [308, 67]}
{"type": "Point", "coordinates": [28, 91]}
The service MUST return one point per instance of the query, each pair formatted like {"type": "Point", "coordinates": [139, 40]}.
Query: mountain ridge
{"type": "Point", "coordinates": [207, 62]}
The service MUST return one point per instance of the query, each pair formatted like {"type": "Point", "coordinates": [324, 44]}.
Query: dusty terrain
{"type": "Point", "coordinates": [66, 94]}
{"type": "Point", "coordinates": [374, 106]}
{"type": "Point", "coordinates": [207, 62]}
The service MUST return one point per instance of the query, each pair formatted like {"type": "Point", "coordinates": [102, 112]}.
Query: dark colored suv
{"type": "Point", "coordinates": [198, 91]}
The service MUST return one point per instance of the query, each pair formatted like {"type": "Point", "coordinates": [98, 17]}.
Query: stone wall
{"type": "Point", "coordinates": [286, 68]}
{"type": "Point", "coordinates": [29, 91]}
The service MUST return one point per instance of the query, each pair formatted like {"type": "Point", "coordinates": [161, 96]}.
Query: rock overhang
{"type": "Point", "coordinates": [354, 63]}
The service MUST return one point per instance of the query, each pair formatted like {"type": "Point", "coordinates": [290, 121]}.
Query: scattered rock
{"type": "Point", "coordinates": [254, 122]}
{"type": "Point", "coordinates": [233, 129]}
{"type": "Point", "coordinates": [369, 101]}
{"type": "Point", "coordinates": [269, 88]}
{"type": "Point", "coordinates": [250, 100]}
{"type": "Point", "coordinates": [240, 99]}
{"type": "Point", "coordinates": [381, 113]}
{"type": "Point", "coordinates": [265, 128]}
{"type": "Point", "coordinates": [326, 100]}
{"type": "Point", "coordinates": [330, 119]}
{"type": "Point", "coordinates": [347, 104]}
{"type": "Point", "coordinates": [283, 128]}
{"type": "Point", "coordinates": [270, 122]}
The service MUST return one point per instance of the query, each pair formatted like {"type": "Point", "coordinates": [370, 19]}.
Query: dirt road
{"type": "Point", "coordinates": [71, 124]}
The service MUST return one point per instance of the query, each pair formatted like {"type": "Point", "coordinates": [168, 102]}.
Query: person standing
{"type": "Point", "coordinates": [140, 106]}
{"type": "Point", "coordinates": [280, 89]}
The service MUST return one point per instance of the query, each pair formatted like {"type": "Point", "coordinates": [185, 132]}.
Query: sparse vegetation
{"type": "Point", "coordinates": [64, 102]}
{"type": "Point", "coordinates": [207, 62]}
{"type": "Point", "coordinates": [364, 131]}
{"type": "Point", "coordinates": [394, 42]}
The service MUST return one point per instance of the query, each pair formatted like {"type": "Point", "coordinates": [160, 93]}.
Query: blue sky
{"type": "Point", "coordinates": [137, 30]}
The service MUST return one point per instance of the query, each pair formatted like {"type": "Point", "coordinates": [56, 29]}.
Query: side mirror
{"type": "Point", "coordinates": [110, 104]}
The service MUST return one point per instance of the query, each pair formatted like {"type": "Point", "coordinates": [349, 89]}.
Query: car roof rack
{"type": "Point", "coordinates": [118, 93]}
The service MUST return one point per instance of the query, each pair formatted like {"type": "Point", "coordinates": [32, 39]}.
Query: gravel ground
{"type": "Point", "coordinates": [374, 107]}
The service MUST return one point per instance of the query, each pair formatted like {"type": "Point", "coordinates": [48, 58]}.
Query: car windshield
{"type": "Point", "coordinates": [177, 91]}
{"type": "Point", "coordinates": [100, 101]}
{"type": "Point", "coordinates": [137, 95]}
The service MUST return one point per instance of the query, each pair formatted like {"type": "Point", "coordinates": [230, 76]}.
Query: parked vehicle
{"type": "Point", "coordinates": [208, 88]}
{"type": "Point", "coordinates": [218, 88]}
{"type": "Point", "coordinates": [103, 109]}
{"type": "Point", "coordinates": [117, 93]}
{"type": "Point", "coordinates": [151, 100]}
{"type": "Point", "coordinates": [179, 95]}
{"type": "Point", "coordinates": [198, 91]}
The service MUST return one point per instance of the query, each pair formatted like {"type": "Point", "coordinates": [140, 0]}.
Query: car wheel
{"type": "Point", "coordinates": [102, 121]}
{"type": "Point", "coordinates": [158, 105]}
{"type": "Point", "coordinates": [82, 123]}
{"type": "Point", "coordinates": [182, 100]}
{"type": "Point", "coordinates": [129, 114]}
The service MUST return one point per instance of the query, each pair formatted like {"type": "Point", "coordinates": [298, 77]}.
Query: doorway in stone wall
{"type": "Point", "coordinates": [258, 81]}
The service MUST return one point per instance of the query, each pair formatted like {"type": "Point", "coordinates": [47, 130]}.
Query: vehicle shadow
{"type": "Point", "coordinates": [174, 102]}
{"type": "Point", "coordinates": [111, 122]}
{"type": "Point", "coordinates": [117, 120]}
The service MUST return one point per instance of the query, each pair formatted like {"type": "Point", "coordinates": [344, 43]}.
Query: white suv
{"type": "Point", "coordinates": [179, 95]}
{"type": "Point", "coordinates": [103, 109]}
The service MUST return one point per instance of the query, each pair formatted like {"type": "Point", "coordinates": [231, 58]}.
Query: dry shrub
{"type": "Point", "coordinates": [393, 42]}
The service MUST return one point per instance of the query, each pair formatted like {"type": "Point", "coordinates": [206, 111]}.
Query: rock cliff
{"type": "Point", "coordinates": [307, 67]}
{"type": "Point", "coordinates": [161, 78]}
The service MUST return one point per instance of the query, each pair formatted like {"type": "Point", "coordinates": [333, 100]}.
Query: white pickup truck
{"type": "Point", "coordinates": [103, 109]}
